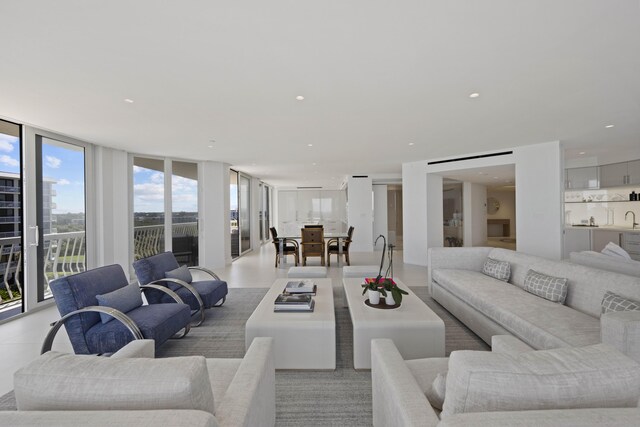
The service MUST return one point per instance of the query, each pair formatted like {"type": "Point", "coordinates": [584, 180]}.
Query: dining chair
{"type": "Point", "coordinates": [312, 244]}
{"type": "Point", "coordinates": [290, 247]}
{"type": "Point", "coordinates": [333, 248]}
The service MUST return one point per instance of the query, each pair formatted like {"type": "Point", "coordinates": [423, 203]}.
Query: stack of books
{"type": "Point", "coordinates": [297, 303]}
{"type": "Point", "coordinates": [298, 287]}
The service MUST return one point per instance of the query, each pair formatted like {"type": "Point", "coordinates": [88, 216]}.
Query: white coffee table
{"type": "Point", "coordinates": [301, 340]}
{"type": "Point", "coordinates": [414, 328]}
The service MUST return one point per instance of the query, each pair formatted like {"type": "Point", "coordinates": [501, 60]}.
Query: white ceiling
{"type": "Point", "coordinates": [376, 75]}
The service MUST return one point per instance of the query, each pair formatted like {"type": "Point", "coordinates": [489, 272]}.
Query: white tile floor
{"type": "Point", "coordinates": [22, 338]}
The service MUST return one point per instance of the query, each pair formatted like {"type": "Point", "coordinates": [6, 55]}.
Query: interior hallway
{"type": "Point", "coordinates": [22, 337]}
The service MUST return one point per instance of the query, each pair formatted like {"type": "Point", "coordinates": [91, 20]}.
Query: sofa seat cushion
{"type": "Point", "coordinates": [221, 373]}
{"type": "Point", "coordinates": [540, 323]}
{"type": "Point", "coordinates": [169, 417]}
{"type": "Point", "coordinates": [158, 322]}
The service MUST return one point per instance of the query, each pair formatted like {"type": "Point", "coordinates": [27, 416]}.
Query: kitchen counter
{"type": "Point", "coordinates": [622, 229]}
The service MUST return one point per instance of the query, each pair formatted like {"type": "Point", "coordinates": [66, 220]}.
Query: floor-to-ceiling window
{"type": "Point", "coordinates": [11, 277]}
{"type": "Point", "coordinates": [184, 212]}
{"type": "Point", "coordinates": [244, 212]}
{"type": "Point", "coordinates": [148, 207]}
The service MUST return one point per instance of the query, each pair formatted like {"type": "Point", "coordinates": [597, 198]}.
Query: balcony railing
{"type": "Point", "coordinates": [65, 254]}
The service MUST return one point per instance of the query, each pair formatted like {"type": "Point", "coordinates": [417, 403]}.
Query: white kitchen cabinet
{"type": "Point", "coordinates": [297, 208]}
{"type": "Point", "coordinates": [631, 244]}
{"type": "Point", "coordinates": [581, 178]}
{"type": "Point", "coordinates": [613, 175]}
{"type": "Point", "coordinates": [576, 240]}
{"type": "Point", "coordinates": [633, 172]}
{"type": "Point", "coordinates": [600, 239]}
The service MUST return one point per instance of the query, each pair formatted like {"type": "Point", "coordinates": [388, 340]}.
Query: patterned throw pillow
{"type": "Point", "coordinates": [500, 270]}
{"type": "Point", "coordinates": [614, 302]}
{"type": "Point", "coordinates": [548, 287]}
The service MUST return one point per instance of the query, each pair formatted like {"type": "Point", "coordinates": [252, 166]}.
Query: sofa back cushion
{"type": "Point", "coordinates": [519, 263]}
{"type": "Point", "coordinates": [606, 262]}
{"type": "Point", "coordinates": [585, 286]}
{"type": "Point", "coordinates": [56, 381]}
{"type": "Point", "coordinates": [596, 376]}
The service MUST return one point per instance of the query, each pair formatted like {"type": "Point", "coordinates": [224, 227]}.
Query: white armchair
{"type": "Point", "coordinates": [512, 385]}
{"type": "Point", "coordinates": [119, 390]}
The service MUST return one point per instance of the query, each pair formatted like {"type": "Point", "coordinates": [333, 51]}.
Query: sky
{"type": "Point", "coordinates": [148, 192]}
{"type": "Point", "coordinates": [62, 163]}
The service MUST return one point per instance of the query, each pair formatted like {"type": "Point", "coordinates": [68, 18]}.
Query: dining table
{"type": "Point", "coordinates": [340, 237]}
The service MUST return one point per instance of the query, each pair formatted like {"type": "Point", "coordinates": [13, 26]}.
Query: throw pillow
{"type": "Point", "coordinates": [180, 273]}
{"type": "Point", "coordinates": [124, 299]}
{"type": "Point", "coordinates": [614, 302]}
{"type": "Point", "coordinates": [435, 394]}
{"type": "Point", "coordinates": [500, 270]}
{"type": "Point", "coordinates": [548, 287]}
{"type": "Point", "coordinates": [616, 251]}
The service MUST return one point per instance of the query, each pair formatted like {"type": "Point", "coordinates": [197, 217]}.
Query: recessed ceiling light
{"type": "Point", "coordinates": [129, 101]}
{"type": "Point", "coordinates": [474, 95]}
{"type": "Point", "coordinates": [210, 146]}
{"type": "Point", "coordinates": [582, 153]}
{"type": "Point", "coordinates": [314, 163]}
{"type": "Point", "coordinates": [495, 177]}
{"type": "Point", "coordinates": [412, 143]}
{"type": "Point", "coordinates": [309, 145]}
{"type": "Point", "coordinates": [300, 98]}
{"type": "Point", "coordinates": [609, 126]}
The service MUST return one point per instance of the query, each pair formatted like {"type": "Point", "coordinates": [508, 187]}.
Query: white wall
{"type": "Point", "coordinates": [539, 189]}
{"type": "Point", "coordinates": [214, 228]}
{"type": "Point", "coordinates": [539, 183]}
{"type": "Point", "coordinates": [414, 208]}
{"type": "Point", "coordinates": [474, 213]}
{"type": "Point", "coordinates": [380, 214]}
{"type": "Point", "coordinates": [113, 218]}
{"type": "Point", "coordinates": [360, 213]}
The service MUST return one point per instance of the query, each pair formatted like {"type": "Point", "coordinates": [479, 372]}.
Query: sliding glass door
{"type": "Point", "coordinates": [11, 273]}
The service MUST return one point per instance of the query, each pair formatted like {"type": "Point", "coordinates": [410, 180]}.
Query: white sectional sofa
{"type": "Point", "coordinates": [492, 307]}
{"type": "Point", "coordinates": [133, 389]}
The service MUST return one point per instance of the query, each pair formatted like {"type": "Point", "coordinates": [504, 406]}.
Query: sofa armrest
{"type": "Point", "coordinates": [456, 258]}
{"type": "Point", "coordinates": [621, 330]}
{"type": "Point", "coordinates": [137, 348]}
{"type": "Point", "coordinates": [250, 399]}
{"type": "Point", "coordinates": [397, 397]}
{"type": "Point", "coordinates": [508, 344]}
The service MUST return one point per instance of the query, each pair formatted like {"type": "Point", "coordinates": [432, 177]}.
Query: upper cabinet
{"type": "Point", "coordinates": [581, 178]}
{"type": "Point", "coordinates": [605, 176]}
{"type": "Point", "coordinates": [633, 172]}
{"type": "Point", "coordinates": [613, 175]}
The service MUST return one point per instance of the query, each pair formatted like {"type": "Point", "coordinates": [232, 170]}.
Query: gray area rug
{"type": "Point", "coordinates": [310, 398]}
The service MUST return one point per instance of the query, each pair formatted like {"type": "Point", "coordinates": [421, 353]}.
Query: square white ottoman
{"type": "Point", "coordinates": [360, 271]}
{"type": "Point", "coordinates": [307, 272]}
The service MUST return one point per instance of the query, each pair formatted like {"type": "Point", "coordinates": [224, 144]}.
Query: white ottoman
{"type": "Point", "coordinates": [358, 271]}
{"type": "Point", "coordinates": [307, 272]}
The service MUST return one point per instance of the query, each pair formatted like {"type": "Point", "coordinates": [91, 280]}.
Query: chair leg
{"type": "Point", "coordinates": [346, 255]}
{"type": "Point", "coordinates": [328, 260]}
{"type": "Point", "coordinates": [277, 259]}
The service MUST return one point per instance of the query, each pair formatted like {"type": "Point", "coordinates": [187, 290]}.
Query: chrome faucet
{"type": "Point", "coordinates": [634, 218]}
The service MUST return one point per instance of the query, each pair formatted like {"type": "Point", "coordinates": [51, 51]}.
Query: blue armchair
{"type": "Point", "coordinates": [163, 270]}
{"type": "Point", "coordinates": [102, 312]}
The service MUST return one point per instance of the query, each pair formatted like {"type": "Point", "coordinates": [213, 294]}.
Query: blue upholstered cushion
{"type": "Point", "coordinates": [180, 273]}
{"type": "Point", "coordinates": [124, 299]}
{"type": "Point", "coordinates": [210, 291]}
{"type": "Point", "coordinates": [153, 268]}
{"type": "Point", "coordinates": [158, 322]}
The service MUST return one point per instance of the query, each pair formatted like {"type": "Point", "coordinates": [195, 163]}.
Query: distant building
{"type": "Point", "coordinates": [11, 205]}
